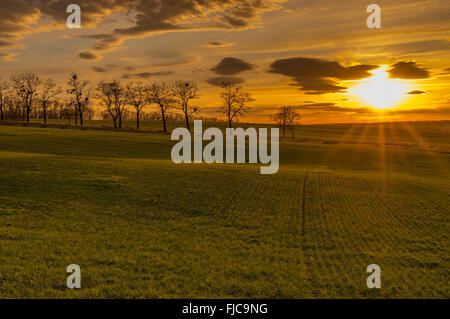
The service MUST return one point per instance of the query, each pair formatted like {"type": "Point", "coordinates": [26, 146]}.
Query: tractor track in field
{"type": "Point", "coordinates": [314, 292]}
{"type": "Point", "coordinates": [303, 204]}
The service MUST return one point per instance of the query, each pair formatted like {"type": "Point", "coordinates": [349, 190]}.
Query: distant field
{"type": "Point", "coordinates": [425, 134]}
{"type": "Point", "coordinates": [346, 196]}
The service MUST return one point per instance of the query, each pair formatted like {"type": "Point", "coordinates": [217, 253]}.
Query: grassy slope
{"type": "Point", "coordinates": [141, 226]}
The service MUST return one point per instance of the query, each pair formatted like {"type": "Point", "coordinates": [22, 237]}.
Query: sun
{"type": "Point", "coordinates": [379, 91]}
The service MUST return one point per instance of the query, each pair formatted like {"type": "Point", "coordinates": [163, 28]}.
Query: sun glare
{"type": "Point", "coordinates": [379, 91]}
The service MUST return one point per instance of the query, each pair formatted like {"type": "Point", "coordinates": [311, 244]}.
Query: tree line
{"type": "Point", "coordinates": [26, 96]}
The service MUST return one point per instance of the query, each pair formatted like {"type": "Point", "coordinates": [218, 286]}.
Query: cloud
{"type": "Point", "coordinates": [217, 44]}
{"type": "Point", "coordinates": [416, 92]}
{"type": "Point", "coordinates": [316, 76]}
{"type": "Point", "coordinates": [167, 58]}
{"type": "Point", "coordinates": [7, 56]}
{"type": "Point", "coordinates": [225, 79]}
{"type": "Point", "coordinates": [89, 55]}
{"type": "Point", "coordinates": [407, 70]}
{"type": "Point", "coordinates": [145, 17]}
{"type": "Point", "coordinates": [414, 47]}
{"type": "Point", "coordinates": [422, 111]}
{"type": "Point", "coordinates": [445, 72]}
{"type": "Point", "coordinates": [99, 69]}
{"type": "Point", "coordinates": [6, 44]}
{"type": "Point", "coordinates": [22, 17]}
{"type": "Point", "coordinates": [151, 17]}
{"type": "Point", "coordinates": [146, 75]}
{"type": "Point", "coordinates": [333, 107]}
{"type": "Point", "coordinates": [232, 66]}
{"type": "Point", "coordinates": [112, 67]}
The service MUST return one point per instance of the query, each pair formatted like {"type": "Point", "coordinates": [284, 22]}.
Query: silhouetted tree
{"type": "Point", "coordinates": [162, 95]}
{"type": "Point", "coordinates": [4, 86]}
{"type": "Point", "coordinates": [286, 118]}
{"type": "Point", "coordinates": [114, 98]}
{"type": "Point", "coordinates": [81, 93]}
{"type": "Point", "coordinates": [49, 91]}
{"type": "Point", "coordinates": [26, 85]}
{"type": "Point", "coordinates": [136, 94]}
{"type": "Point", "coordinates": [184, 92]}
{"type": "Point", "coordinates": [235, 101]}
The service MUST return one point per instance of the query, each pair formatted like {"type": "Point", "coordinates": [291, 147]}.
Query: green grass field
{"type": "Point", "coordinates": [346, 196]}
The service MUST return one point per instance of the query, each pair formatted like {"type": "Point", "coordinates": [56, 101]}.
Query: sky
{"type": "Point", "coordinates": [317, 55]}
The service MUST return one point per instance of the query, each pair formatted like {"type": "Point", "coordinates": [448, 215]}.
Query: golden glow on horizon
{"type": "Point", "coordinates": [379, 91]}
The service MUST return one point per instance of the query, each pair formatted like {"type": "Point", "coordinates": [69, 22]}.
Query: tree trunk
{"type": "Point", "coordinates": [163, 120]}
{"type": "Point", "coordinates": [81, 118]}
{"type": "Point", "coordinates": [28, 113]}
{"type": "Point", "coordinates": [187, 122]}
{"type": "Point", "coordinates": [120, 120]}
{"type": "Point", "coordinates": [45, 116]}
{"type": "Point", "coordinates": [229, 123]}
{"type": "Point", "coordinates": [115, 123]}
{"type": "Point", "coordinates": [137, 119]}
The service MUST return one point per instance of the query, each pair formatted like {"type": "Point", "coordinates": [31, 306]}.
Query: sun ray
{"type": "Point", "coordinates": [349, 134]}
{"type": "Point", "coordinates": [423, 144]}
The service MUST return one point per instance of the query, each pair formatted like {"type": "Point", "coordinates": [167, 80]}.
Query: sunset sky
{"type": "Point", "coordinates": [317, 55]}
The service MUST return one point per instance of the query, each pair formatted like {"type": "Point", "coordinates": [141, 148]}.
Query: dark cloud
{"type": "Point", "coordinates": [445, 72]}
{"type": "Point", "coordinates": [216, 44]}
{"type": "Point", "coordinates": [416, 92]}
{"type": "Point", "coordinates": [112, 67]}
{"type": "Point", "coordinates": [146, 75]}
{"type": "Point", "coordinates": [88, 55]}
{"type": "Point", "coordinates": [232, 66]}
{"type": "Point", "coordinates": [219, 81]}
{"type": "Point", "coordinates": [407, 70]}
{"type": "Point", "coordinates": [7, 56]}
{"type": "Point", "coordinates": [99, 69]}
{"type": "Point", "coordinates": [316, 76]}
{"type": "Point", "coordinates": [6, 44]}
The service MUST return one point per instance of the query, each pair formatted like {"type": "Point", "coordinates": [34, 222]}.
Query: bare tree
{"type": "Point", "coordinates": [48, 93]}
{"type": "Point", "coordinates": [293, 118]}
{"type": "Point", "coordinates": [162, 95]}
{"type": "Point", "coordinates": [67, 110]}
{"type": "Point", "coordinates": [81, 93]}
{"type": "Point", "coordinates": [56, 111]}
{"type": "Point", "coordinates": [4, 86]}
{"type": "Point", "coordinates": [136, 94]}
{"type": "Point", "coordinates": [11, 108]}
{"type": "Point", "coordinates": [286, 118]}
{"type": "Point", "coordinates": [26, 85]}
{"type": "Point", "coordinates": [235, 101]}
{"type": "Point", "coordinates": [113, 97]}
{"type": "Point", "coordinates": [184, 92]}
{"type": "Point", "coordinates": [120, 99]}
